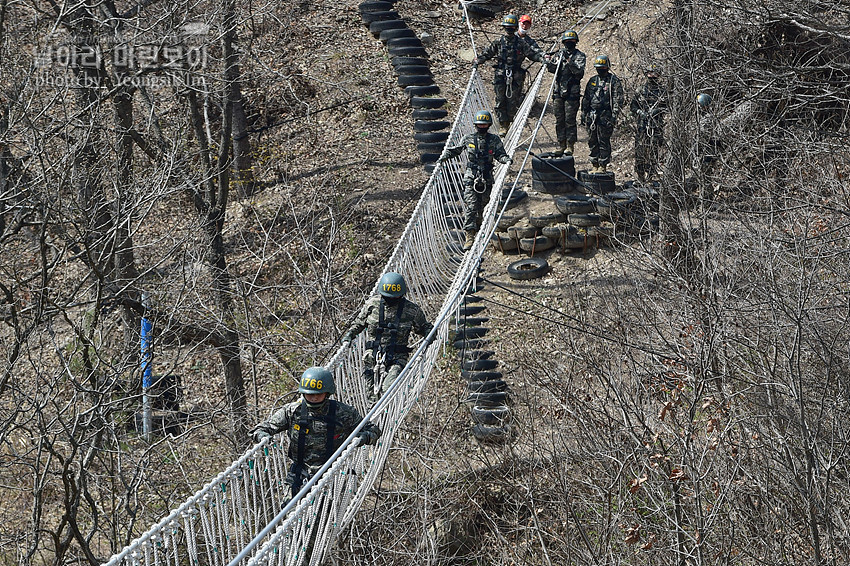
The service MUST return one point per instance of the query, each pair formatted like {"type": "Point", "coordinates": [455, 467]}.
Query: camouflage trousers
{"type": "Point", "coordinates": [599, 141]}
{"type": "Point", "coordinates": [389, 374]}
{"type": "Point", "coordinates": [647, 152]}
{"type": "Point", "coordinates": [508, 96]}
{"type": "Point", "coordinates": [566, 110]}
{"type": "Point", "coordinates": [474, 202]}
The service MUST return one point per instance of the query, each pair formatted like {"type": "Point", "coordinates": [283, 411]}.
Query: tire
{"type": "Point", "coordinates": [503, 243]}
{"type": "Point", "coordinates": [516, 198]}
{"type": "Point", "coordinates": [417, 61]}
{"type": "Point", "coordinates": [404, 42]}
{"type": "Point", "coordinates": [498, 416]}
{"type": "Point", "coordinates": [429, 157]}
{"type": "Point", "coordinates": [478, 355]}
{"type": "Point", "coordinates": [538, 244]}
{"type": "Point", "coordinates": [471, 344]}
{"type": "Point", "coordinates": [480, 365]}
{"type": "Point", "coordinates": [553, 187]}
{"type": "Point", "coordinates": [421, 126]}
{"type": "Point", "coordinates": [598, 183]}
{"type": "Point", "coordinates": [507, 221]}
{"type": "Point", "coordinates": [469, 299]}
{"type": "Point", "coordinates": [494, 434]}
{"type": "Point", "coordinates": [578, 242]}
{"type": "Point", "coordinates": [487, 399]}
{"type": "Point", "coordinates": [491, 386]}
{"type": "Point", "coordinates": [479, 11]}
{"type": "Point", "coordinates": [430, 113]}
{"type": "Point", "coordinates": [436, 147]}
{"type": "Point", "coordinates": [377, 27]}
{"type": "Point", "coordinates": [546, 219]}
{"type": "Point", "coordinates": [555, 233]}
{"type": "Point", "coordinates": [374, 6]}
{"type": "Point", "coordinates": [471, 332]}
{"type": "Point", "coordinates": [379, 16]}
{"type": "Point", "coordinates": [569, 205]}
{"type": "Point", "coordinates": [549, 166]}
{"type": "Point", "coordinates": [389, 34]}
{"type": "Point", "coordinates": [429, 167]}
{"type": "Point", "coordinates": [483, 375]}
{"type": "Point", "coordinates": [433, 137]}
{"type": "Point", "coordinates": [414, 80]}
{"type": "Point", "coordinates": [584, 219]}
{"type": "Point", "coordinates": [413, 70]}
{"type": "Point", "coordinates": [473, 320]}
{"type": "Point", "coordinates": [423, 102]}
{"type": "Point", "coordinates": [469, 310]}
{"type": "Point", "coordinates": [427, 90]}
{"type": "Point", "coordinates": [601, 232]}
{"type": "Point", "coordinates": [528, 268]}
{"type": "Point", "coordinates": [522, 231]}
{"type": "Point", "coordinates": [408, 52]}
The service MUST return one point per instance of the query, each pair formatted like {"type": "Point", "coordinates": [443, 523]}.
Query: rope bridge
{"type": "Point", "coordinates": [241, 516]}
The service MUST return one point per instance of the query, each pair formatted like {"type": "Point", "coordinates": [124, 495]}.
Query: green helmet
{"type": "Point", "coordinates": [510, 21]}
{"type": "Point", "coordinates": [704, 100]}
{"type": "Point", "coordinates": [602, 62]}
{"type": "Point", "coordinates": [392, 285]}
{"type": "Point", "coordinates": [569, 35]}
{"type": "Point", "coordinates": [317, 380]}
{"type": "Point", "coordinates": [483, 118]}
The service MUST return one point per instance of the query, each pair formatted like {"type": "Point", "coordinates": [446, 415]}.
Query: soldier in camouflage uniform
{"type": "Point", "coordinates": [482, 148]}
{"type": "Point", "coordinates": [567, 91]}
{"type": "Point", "coordinates": [603, 99]}
{"type": "Point", "coordinates": [388, 319]}
{"type": "Point", "coordinates": [648, 106]}
{"type": "Point", "coordinates": [316, 426]}
{"type": "Point", "coordinates": [510, 51]}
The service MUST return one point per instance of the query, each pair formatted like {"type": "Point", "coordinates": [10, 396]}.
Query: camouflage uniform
{"type": "Point", "coordinates": [481, 150]}
{"type": "Point", "coordinates": [567, 93]}
{"type": "Point", "coordinates": [648, 107]}
{"type": "Point", "coordinates": [603, 99]}
{"type": "Point", "coordinates": [533, 44]}
{"type": "Point", "coordinates": [319, 442]}
{"type": "Point", "coordinates": [510, 51]}
{"type": "Point", "coordinates": [387, 337]}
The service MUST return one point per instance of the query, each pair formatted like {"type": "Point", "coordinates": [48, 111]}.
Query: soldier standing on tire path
{"type": "Point", "coordinates": [648, 107]}
{"type": "Point", "coordinates": [316, 427]}
{"type": "Point", "coordinates": [482, 148]}
{"type": "Point", "coordinates": [510, 51]}
{"type": "Point", "coordinates": [567, 92]}
{"type": "Point", "coordinates": [388, 319]}
{"type": "Point", "coordinates": [600, 107]}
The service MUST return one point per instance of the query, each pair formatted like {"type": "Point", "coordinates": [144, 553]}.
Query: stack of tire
{"type": "Point", "coordinates": [553, 174]}
{"type": "Point", "coordinates": [544, 231]}
{"type": "Point", "coordinates": [486, 390]}
{"type": "Point", "coordinates": [598, 183]}
{"type": "Point", "coordinates": [633, 210]}
{"type": "Point", "coordinates": [413, 74]}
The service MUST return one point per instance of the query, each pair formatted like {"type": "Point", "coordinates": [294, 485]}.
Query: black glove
{"type": "Point", "coordinates": [365, 438]}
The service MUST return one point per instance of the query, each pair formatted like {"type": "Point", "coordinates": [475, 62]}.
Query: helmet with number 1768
{"type": "Point", "coordinates": [317, 380]}
{"type": "Point", "coordinates": [392, 285]}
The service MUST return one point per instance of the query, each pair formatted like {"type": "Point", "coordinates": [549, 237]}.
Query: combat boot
{"type": "Point", "coordinates": [563, 148]}
{"type": "Point", "coordinates": [470, 239]}
{"type": "Point", "coordinates": [602, 169]}
{"type": "Point", "coordinates": [570, 148]}
{"type": "Point", "coordinates": [504, 127]}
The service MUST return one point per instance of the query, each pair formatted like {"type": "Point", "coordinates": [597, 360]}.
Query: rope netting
{"type": "Point", "coordinates": [243, 516]}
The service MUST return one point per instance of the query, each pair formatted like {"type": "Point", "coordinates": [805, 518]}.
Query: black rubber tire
{"type": "Point", "coordinates": [413, 70]}
{"type": "Point", "coordinates": [377, 27]}
{"type": "Point", "coordinates": [424, 102]}
{"type": "Point", "coordinates": [491, 386]}
{"type": "Point", "coordinates": [471, 298]}
{"type": "Point", "coordinates": [380, 16]}
{"type": "Point", "coordinates": [415, 80]}
{"type": "Point", "coordinates": [584, 220]}
{"type": "Point", "coordinates": [477, 355]}
{"type": "Point", "coordinates": [523, 231]}
{"type": "Point", "coordinates": [427, 90]}
{"type": "Point", "coordinates": [528, 268]}
{"type": "Point", "coordinates": [548, 164]}
{"type": "Point", "coordinates": [421, 126]}
{"type": "Point", "coordinates": [487, 399]}
{"type": "Point", "coordinates": [516, 198]}
{"type": "Point", "coordinates": [430, 113]}
{"type": "Point", "coordinates": [557, 232]}
{"type": "Point", "coordinates": [498, 416]}
{"type": "Point", "coordinates": [480, 365]}
{"type": "Point", "coordinates": [471, 344]}
{"type": "Point", "coordinates": [408, 52]}
{"type": "Point", "coordinates": [433, 137]}
{"type": "Point", "coordinates": [417, 61]}
{"type": "Point", "coordinates": [471, 332]}
{"type": "Point", "coordinates": [598, 183]}
{"type": "Point", "coordinates": [538, 244]}
{"type": "Point", "coordinates": [537, 175]}
{"type": "Point", "coordinates": [546, 219]}
{"type": "Point", "coordinates": [570, 205]}
{"type": "Point", "coordinates": [503, 243]}
{"type": "Point", "coordinates": [553, 187]}
{"type": "Point", "coordinates": [374, 6]}
{"type": "Point", "coordinates": [480, 11]}
{"type": "Point", "coordinates": [469, 310]}
{"type": "Point", "coordinates": [389, 34]}
{"type": "Point", "coordinates": [429, 168]}
{"type": "Point", "coordinates": [429, 158]}
{"type": "Point", "coordinates": [507, 221]}
{"type": "Point", "coordinates": [494, 434]}
{"type": "Point", "coordinates": [473, 320]}
{"type": "Point", "coordinates": [483, 375]}
{"type": "Point", "coordinates": [436, 147]}
{"type": "Point", "coordinates": [404, 42]}
{"type": "Point", "coordinates": [578, 242]}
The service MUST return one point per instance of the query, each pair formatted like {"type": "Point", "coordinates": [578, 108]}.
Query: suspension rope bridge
{"type": "Point", "coordinates": [242, 516]}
